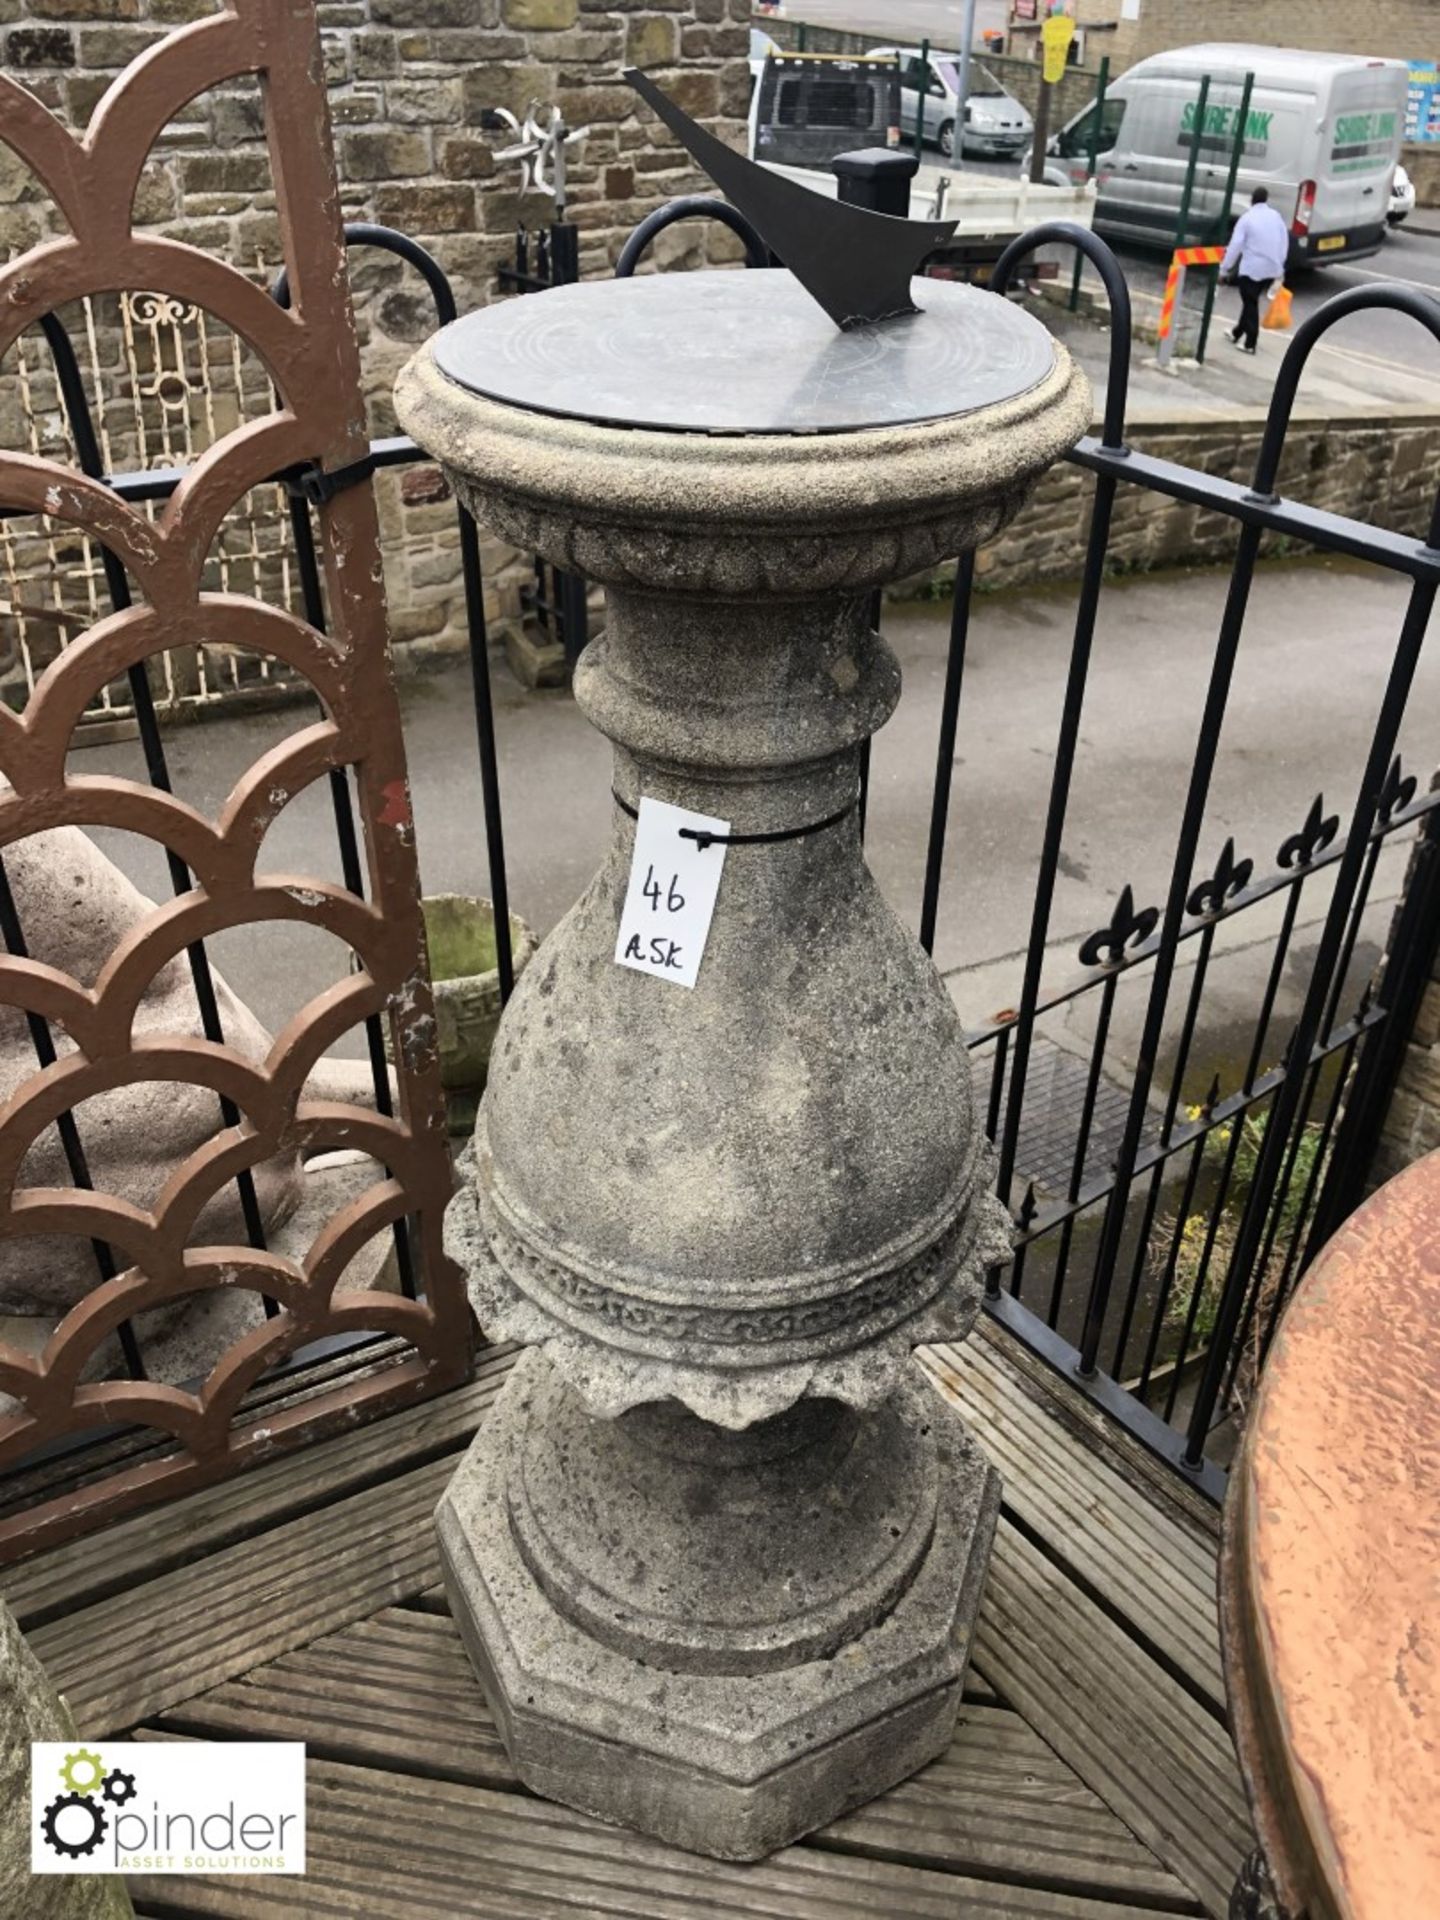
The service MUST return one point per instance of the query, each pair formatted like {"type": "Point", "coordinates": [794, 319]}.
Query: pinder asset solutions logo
{"type": "Point", "coordinates": [201, 1807]}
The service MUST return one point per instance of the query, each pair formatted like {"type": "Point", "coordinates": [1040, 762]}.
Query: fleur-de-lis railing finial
{"type": "Point", "coordinates": [1029, 1207]}
{"type": "Point", "coordinates": [1301, 848]}
{"type": "Point", "coordinates": [1107, 946]}
{"type": "Point", "coordinates": [1396, 793]}
{"type": "Point", "coordinates": [1231, 876]}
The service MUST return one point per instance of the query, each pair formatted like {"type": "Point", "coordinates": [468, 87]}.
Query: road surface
{"type": "Point", "coordinates": [1388, 340]}
{"type": "Point", "coordinates": [1410, 256]}
{"type": "Point", "coordinates": [1317, 645]}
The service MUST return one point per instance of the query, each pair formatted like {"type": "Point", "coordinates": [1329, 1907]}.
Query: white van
{"type": "Point", "coordinates": [1322, 132]}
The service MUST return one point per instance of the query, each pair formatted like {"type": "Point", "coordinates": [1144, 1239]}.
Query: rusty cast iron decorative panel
{"type": "Point", "coordinates": [155, 1254]}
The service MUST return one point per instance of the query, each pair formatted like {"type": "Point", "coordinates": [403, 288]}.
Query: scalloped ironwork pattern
{"type": "Point", "coordinates": [311, 355]}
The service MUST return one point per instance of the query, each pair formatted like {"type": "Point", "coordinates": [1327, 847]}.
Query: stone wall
{"type": "Point", "coordinates": [1380, 470]}
{"type": "Point", "coordinates": [410, 81]}
{"type": "Point", "coordinates": [1395, 29]}
{"type": "Point", "coordinates": [1422, 163]}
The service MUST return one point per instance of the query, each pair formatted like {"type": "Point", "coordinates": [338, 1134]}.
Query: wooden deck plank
{"type": "Point", "coordinates": [386, 1844]}
{"type": "Point", "coordinates": [1136, 1559]}
{"type": "Point", "coordinates": [396, 1693]}
{"type": "Point", "coordinates": [309, 1610]}
{"type": "Point", "coordinates": [245, 1604]}
{"type": "Point", "coordinates": [1088, 1423]}
{"type": "Point", "coordinates": [87, 1570]}
{"type": "Point", "coordinates": [1135, 1736]}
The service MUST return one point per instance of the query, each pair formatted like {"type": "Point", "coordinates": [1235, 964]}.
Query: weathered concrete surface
{"type": "Point", "coordinates": [31, 1709]}
{"type": "Point", "coordinates": [727, 1608]}
{"type": "Point", "coordinates": [76, 908]}
{"type": "Point", "coordinates": [731, 1753]}
{"type": "Point", "coordinates": [820, 1186]}
{"type": "Point", "coordinates": [460, 932]}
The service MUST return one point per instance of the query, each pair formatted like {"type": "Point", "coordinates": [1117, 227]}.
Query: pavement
{"type": "Point", "coordinates": [1369, 363]}
{"type": "Point", "coordinates": [1340, 380]}
{"type": "Point", "coordinates": [1318, 642]}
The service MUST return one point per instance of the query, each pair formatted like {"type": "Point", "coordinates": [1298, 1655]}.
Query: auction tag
{"type": "Point", "coordinates": [670, 900]}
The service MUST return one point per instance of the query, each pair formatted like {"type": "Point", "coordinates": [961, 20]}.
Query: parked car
{"type": "Point", "coordinates": [1402, 197]}
{"type": "Point", "coordinates": [1322, 133]}
{"type": "Point", "coordinates": [995, 123]}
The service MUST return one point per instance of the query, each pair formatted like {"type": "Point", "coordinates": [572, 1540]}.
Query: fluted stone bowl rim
{"type": "Point", "coordinates": [725, 484]}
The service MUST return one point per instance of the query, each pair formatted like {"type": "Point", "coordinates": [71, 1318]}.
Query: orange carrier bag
{"type": "Point", "coordinates": [1277, 314]}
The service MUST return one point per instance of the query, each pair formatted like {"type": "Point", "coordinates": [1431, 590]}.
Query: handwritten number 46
{"type": "Point", "coordinates": [673, 898]}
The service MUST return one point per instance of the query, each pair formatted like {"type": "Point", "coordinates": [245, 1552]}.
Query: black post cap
{"type": "Point", "coordinates": [877, 178]}
{"type": "Point", "coordinates": [875, 163]}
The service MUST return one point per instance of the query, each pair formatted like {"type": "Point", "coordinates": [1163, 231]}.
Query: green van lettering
{"type": "Point", "coordinates": [1359, 129]}
{"type": "Point", "coordinates": [1220, 122]}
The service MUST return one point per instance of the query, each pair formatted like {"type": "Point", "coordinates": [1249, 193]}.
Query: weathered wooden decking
{"type": "Point", "coordinates": [1091, 1777]}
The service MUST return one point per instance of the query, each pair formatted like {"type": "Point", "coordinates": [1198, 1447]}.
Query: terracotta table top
{"type": "Point", "coordinates": [1332, 1572]}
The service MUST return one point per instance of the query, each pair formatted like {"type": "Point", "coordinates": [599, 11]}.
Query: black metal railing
{"type": "Point", "coordinates": [1255, 1232]}
{"type": "Point", "coordinates": [1198, 1224]}
{"type": "Point", "coordinates": [1153, 1267]}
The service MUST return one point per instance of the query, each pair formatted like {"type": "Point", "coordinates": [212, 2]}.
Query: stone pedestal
{"type": "Point", "coordinates": [30, 1709]}
{"type": "Point", "coordinates": [717, 1552]}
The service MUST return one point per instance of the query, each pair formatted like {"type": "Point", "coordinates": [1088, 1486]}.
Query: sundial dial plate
{"type": "Point", "coordinates": [743, 353]}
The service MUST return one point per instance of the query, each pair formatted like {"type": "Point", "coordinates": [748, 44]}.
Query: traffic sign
{"type": "Point", "coordinates": [1056, 33]}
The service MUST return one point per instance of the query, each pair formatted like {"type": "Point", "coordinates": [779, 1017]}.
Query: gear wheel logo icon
{"type": "Point", "coordinates": [89, 1768]}
{"type": "Point", "coordinates": [74, 1843]}
{"type": "Point", "coordinates": [118, 1787]}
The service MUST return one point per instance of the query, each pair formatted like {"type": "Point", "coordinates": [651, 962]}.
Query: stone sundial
{"type": "Point", "coordinates": [717, 1552]}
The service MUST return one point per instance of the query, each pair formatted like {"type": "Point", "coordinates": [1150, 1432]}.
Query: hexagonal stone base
{"type": "Point", "coordinates": [733, 1765]}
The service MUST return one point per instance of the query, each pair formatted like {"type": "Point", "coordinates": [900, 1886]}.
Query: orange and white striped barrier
{"type": "Point", "coordinates": [1180, 259]}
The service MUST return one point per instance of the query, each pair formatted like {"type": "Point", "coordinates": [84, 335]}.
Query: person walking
{"type": "Point", "coordinates": [1259, 248]}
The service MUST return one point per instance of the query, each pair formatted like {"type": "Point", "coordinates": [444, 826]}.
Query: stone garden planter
{"type": "Point", "coordinates": [460, 933]}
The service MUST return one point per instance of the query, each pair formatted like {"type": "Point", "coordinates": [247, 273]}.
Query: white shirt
{"type": "Point", "coordinates": [1260, 243]}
